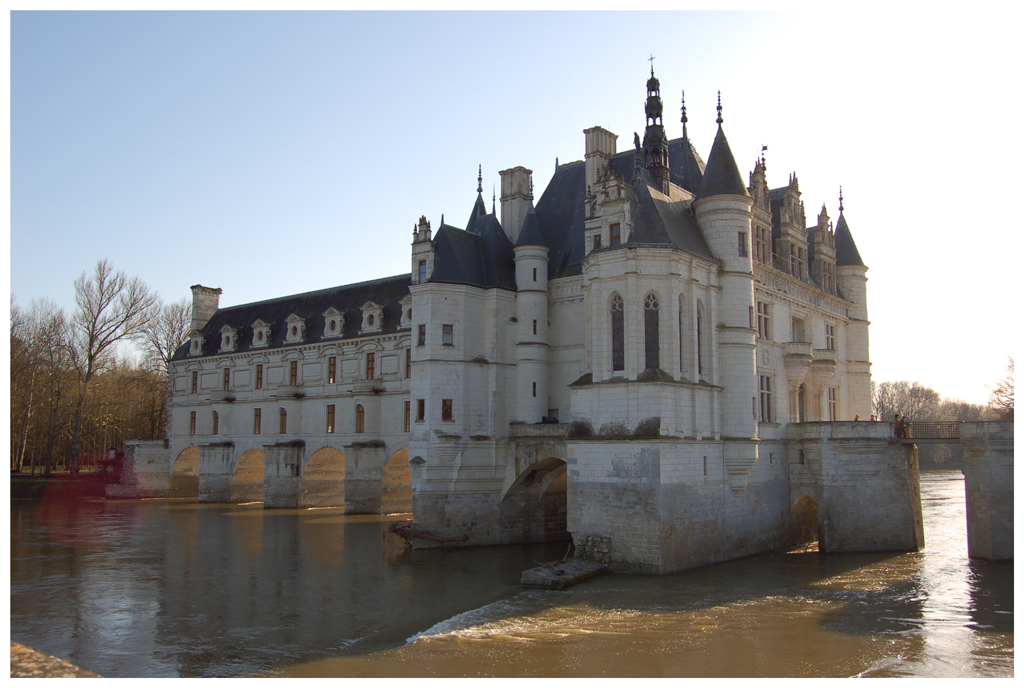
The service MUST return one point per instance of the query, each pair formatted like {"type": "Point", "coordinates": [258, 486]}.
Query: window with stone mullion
{"type": "Point", "coordinates": [651, 340]}
{"type": "Point", "coordinates": [618, 335]}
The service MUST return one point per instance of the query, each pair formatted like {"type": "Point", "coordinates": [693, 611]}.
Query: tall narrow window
{"type": "Point", "coordinates": [830, 337]}
{"type": "Point", "coordinates": [446, 410]}
{"type": "Point", "coordinates": [764, 323]}
{"type": "Point", "coordinates": [216, 423]}
{"type": "Point", "coordinates": [421, 335]}
{"type": "Point", "coordinates": [651, 348]}
{"type": "Point", "coordinates": [766, 399]}
{"type": "Point", "coordinates": [195, 381]}
{"type": "Point", "coordinates": [408, 413]}
{"type": "Point", "coordinates": [447, 335]}
{"type": "Point", "coordinates": [227, 379]}
{"type": "Point", "coordinates": [332, 370]}
{"type": "Point", "coordinates": [535, 274]}
{"type": "Point", "coordinates": [257, 421]}
{"type": "Point", "coordinates": [192, 422]}
{"type": "Point", "coordinates": [422, 272]}
{"type": "Point", "coordinates": [259, 376]}
{"type": "Point", "coordinates": [360, 418]}
{"type": "Point", "coordinates": [408, 362]}
{"type": "Point", "coordinates": [742, 236]}
{"type": "Point", "coordinates": [330, 418]}
{"type": "Point", "coordinates": [293, 373]}
{"type": "Point", "coordinates": [833, 404]}
{"type": "Point", "coordinates": [371, 366]}
{"type": "Point", "coordinates": [534, 389]}
{"type": "Point", "coordinates": [535, 327]}
{"type": "Point", "coordinates": [421, 409]}
{"type": "Point", "coordinates": [792, 261]}
{"type": "Point", "coordinates": [700, 341]}
{"type": "Point", "coordinates": [800, 404]}
{"type": "Point", "coordinates": [283, 418]}
{"type": "Point", "coordinates": [596, 242]}
{"type": "Point", "coordinates": [618, 334]}
{"type": "Point", "coordinates": [682, 365]}
{"type": "Point", "coordinates": [616, 234]}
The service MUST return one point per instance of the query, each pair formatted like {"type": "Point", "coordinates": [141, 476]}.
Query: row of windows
{"type": "Point", "coordinates": [447, 335]}
{"type": "Point", "coordinates": [293, 372]}
{"type": "Point", "coordinates": [652, 347]}
{"type": "Point", "coordinates": [764, 327]}
{"type": "Point", "coordinates": [614, 239]}
{"type": "Point", "coordinates": [764, 410]}
{"type": "Point", "coordinates": [447, 414]}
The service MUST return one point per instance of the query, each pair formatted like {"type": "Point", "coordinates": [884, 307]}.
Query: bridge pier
{"type": "Point", "coordinates": [364, 473]}
{"type": "Point", "coordinates": [215, 472]}
{"type": "Point", "coordinates": [281, 469]}
{"type": "Point", "coordinates": [988, 482]}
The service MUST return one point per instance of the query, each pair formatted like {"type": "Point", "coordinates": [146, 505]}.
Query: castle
{"type": "Point", "coordinates": [659, 359]}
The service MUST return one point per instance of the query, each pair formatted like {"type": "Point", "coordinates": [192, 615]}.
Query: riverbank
{"type": "Point", "coordinates": [28, 663]}
{"type": "Point", "coordinates": [62, 485]}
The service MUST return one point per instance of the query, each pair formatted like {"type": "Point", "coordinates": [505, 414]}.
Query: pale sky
{"type": "Point", "coordinates": [275, 153]}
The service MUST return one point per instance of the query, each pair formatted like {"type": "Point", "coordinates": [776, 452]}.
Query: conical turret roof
{"type": "Point", "coordinates": [846, 248]}
{"type": "Point", "coordinates": [530, 234]}
{"type": "Point", "coordinates": [722, 174]}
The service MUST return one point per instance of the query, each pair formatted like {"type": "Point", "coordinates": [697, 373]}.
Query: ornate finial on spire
{"type": "Point", "coordinates": [480, 179]}
{"type": "Point", "coordinates": [763, 149]}
{"type": "Point", "coordinates": [719, 120]}
{"type": "Point", "coordinates": [683, 119]}
{"type": "Point", "coordinates": [651, 60]}
{"type": "Point", "coordinates": [840, 199]}
{"type": "Point", "coordinates": [494, 199]}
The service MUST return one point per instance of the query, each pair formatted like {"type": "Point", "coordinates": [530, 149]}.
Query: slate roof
{"type": "Point", "coordinates": [846, 248]}
{"type": "Point", "coordinates": [481, 255]}
{"type": "Point", "coordinates": [721, 175]}
{"type": "Point", "coordinates": [348, 299]}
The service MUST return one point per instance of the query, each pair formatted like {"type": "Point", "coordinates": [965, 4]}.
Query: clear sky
{"type": "Point", "coordinates": [274, 153]}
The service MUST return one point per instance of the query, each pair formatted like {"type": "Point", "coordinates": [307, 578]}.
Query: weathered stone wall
{"type": "Point", "coordinates": [281, 468]}
{"type": "Point", "coordinates": [364, 473]}
{"type": "Point", "coordinates": [146, 471]}
{"type": "Point", "coordinates": [988, 481]}
{"type": "Point", "coordinates": [215, 468]}
{"type": "Point", "coordinates": [865, 482]}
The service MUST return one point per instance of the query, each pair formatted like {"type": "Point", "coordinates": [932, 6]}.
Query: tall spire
{"type": "Point", "coordinates": [655, 146]}
{"type": "Point", "coordinates": [719, 120]}
{"type": "Point", "coordinates": [683, 119]}
{"type": "Point", "coordinates": [480, 179]}
{"type": "Point", "coordinates": [840, 200]}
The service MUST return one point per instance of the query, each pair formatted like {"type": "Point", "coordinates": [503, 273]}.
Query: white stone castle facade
{"type": "Point", "coordinates": [658, 359]}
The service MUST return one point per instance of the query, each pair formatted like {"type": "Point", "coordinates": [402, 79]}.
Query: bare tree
{"type": "Point", "coordinates": [910, 399]}
{"type": "Point", "coordinates": [1001, 396]}
{"type": "Point", "coordinates": [168, 330]}
{"type": "Point", "coordinates": [111, 308]}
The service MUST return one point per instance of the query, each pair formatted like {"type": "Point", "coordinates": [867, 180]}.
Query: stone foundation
{"type": "Point", "coordinates": [988, 481]}
{"type": "Point", "coordinates": [145, 472]}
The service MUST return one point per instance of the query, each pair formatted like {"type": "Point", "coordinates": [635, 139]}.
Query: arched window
{"type": "Point", "coordinates": [284, 421]}
{"type": "Point", "coordinates": [682, 360]}
{"type": "Point", "coordinates": [701, 365]}
{"type": "Point", "coordinates": [360, 418]}
{"type": "Point", "coordinates": [651, 347]}
{"type": "Point", "coordinates": [618, 334]}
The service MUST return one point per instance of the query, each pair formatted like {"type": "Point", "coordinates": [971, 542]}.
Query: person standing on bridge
{"type": "Point", "coordinates": [897, 426]}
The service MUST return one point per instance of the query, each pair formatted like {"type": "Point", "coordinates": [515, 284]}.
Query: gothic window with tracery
{"type": "Point", "coordinates": [651, 341]}
{"type": "Point", "coordinates": [618, 334]}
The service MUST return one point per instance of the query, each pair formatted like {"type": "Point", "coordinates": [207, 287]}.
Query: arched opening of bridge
{"type": "Point", "coordinates": [323, 479]}
{"type": "Point", "coordinates": [247, 480]}
{"type": "Point", "coordinates": [540, 493]}
{"type": "Point", "coordinates": [185, 474]}
{"type": "Point", "coordinates": [396, 484]}
{"type": "Point", "coordinates": [804, 523]}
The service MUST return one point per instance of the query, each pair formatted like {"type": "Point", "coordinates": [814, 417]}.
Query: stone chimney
{"type": "Point", "coordinates": [205, 302]}
{"type": "Point", "coordinates": [600, 149]}
{"type": "Point", "coordinates": [516, 199]}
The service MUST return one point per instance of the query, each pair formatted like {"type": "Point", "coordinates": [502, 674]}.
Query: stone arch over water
{"type": "Point", "coordinates": [247, 478]}
{"type": "Point", "coordinates": [540, 495]}
{"type": "Point", "coordinates": [396, 484]}
{"type": "Point", "coordinates": [804, 520]}
{"type": "Point", "coordinates": [323, 479]}
{"type": "Point", "coordinates": [185, 473]}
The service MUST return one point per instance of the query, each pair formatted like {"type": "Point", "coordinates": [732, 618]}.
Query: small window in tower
{"type": "Point", "coordinates": [294, 330]}
{"type": "Point", "coordinates": [616, 235]}
{"type": "Point", "coordinates": [597, 242]}
{"type": "Point", "coordinates": [446, 410]}
{"type": "Point", "coordinates": [421, 335]}
{"type": "Point", "coordinates": [283, 424]}
{"type": "Point", "coordinates": [535, 389]}
{"type": "Point", "coordinates": [360, 418]}
{"type": "Point", "coordinates": [535, 274]}
{"type": "Point", "coordinates": [422, 272]}
{"type": "Point", "coordinates": [192, 422]}
{"type": "Point", "coordinates": [742, 236]}
{"type": "Point", "coordinates": [216, 423]}
{"type": "Point", "coordinates": [259, 336]}
{"type": "Point", "coordinates": [830, 337]}
{"type": "Point", "coordinates": [227, 379]}
{"type": "Point", "coordinates": [535, 327]}
{"type": "Point", "coordinates": [447, 335]}
{"type": "Point", "coordinates": [369, 320]}
{"type": "Point", "coordinates": [421, 409]}
{"type": "Point", "coordinates": [257, 421]}
{"type": "Point", "coordinates": [334, 325]}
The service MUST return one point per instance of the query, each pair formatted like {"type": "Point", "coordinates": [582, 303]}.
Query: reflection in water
{"type": "Point", "coordinates": [175, 588]}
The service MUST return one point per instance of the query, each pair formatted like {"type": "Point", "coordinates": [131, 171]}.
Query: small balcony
{"type": "Point", "coordinates": [797, 349]}
{"type": "Point", "coordinates": [297, 391]}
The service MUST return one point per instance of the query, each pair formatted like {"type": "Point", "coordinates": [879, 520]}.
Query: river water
{"type": "Point", "coordinates": [176, 588]}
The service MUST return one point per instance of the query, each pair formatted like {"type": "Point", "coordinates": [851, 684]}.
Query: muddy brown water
{"type": "Point", "coordinates": [176, 588]}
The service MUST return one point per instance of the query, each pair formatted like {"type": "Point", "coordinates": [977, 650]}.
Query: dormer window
{"type": "Point", "coordinates": [373, 317]}
{"type": "Point", "coordinates": [196, 345]}
{"type": "Point", "coordinates": [260, 333]}
{"type": "Point", "coordinates": [406, 305]}
{"type": "Point", "coordinates": [616, 234]}
{"type": "Point", "coordinates": [334, 322]}
{"type": "Point", "coordinates": [227, 338]}
{"type": "Point", "coordinates": [296, 329]}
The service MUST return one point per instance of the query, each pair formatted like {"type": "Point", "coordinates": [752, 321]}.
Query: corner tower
{"type": "Point", "coordinates": [852, 280]}
{"type": "Point", "coordinates": [723, 212]}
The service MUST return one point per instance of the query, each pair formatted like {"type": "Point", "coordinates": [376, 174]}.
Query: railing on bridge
{"type": "Point", "coordinates": [946, 430]}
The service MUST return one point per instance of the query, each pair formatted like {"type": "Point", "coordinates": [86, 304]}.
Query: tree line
{"type": "Point", "coordinates": [76, 388]}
